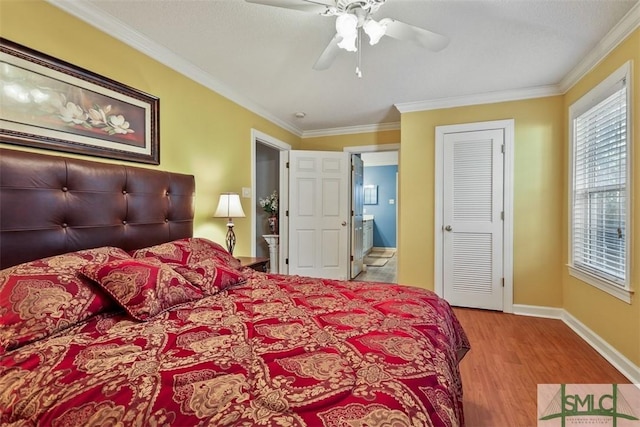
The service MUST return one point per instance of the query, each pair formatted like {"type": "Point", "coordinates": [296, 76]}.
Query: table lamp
{"type": "Point", "coordinates": [229, 207]}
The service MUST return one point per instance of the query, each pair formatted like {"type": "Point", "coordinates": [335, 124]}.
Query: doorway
{"type": "Point", "coordinates": [267, 182]}
{"type": "Point", "coordinates": [268, 173]}
{"type": "Point", "coordinates": [379, 212]}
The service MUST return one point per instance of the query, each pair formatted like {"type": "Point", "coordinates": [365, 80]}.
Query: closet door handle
{"type": "Point", "coordinates": [448, 228]}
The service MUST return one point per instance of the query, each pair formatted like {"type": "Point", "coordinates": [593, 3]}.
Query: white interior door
{"type": "Point", "coordinates": [283, 219]}
{"type": "Point", "coordinates": [357, 205]}
{"type": "Point", "coordinates": [319, 214]}
{"type": "Point", "coordinates": [472, 218]}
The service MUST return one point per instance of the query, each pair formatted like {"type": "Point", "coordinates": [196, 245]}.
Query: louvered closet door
{"type": "Point", "coordinates": [473, 227]}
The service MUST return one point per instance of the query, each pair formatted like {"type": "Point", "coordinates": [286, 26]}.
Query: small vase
{"type": "Point", "coordinates": [273, 224]}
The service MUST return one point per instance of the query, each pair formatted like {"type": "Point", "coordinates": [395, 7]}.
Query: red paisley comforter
{"type": "Point", "coordinates": [273, 351]}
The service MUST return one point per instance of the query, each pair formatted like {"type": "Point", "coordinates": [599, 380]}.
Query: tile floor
{"type": "Point", "coordinates": [386, 273]}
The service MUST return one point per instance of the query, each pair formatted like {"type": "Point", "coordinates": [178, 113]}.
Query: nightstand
{"type": "Point", "coordinates": [256, 263]}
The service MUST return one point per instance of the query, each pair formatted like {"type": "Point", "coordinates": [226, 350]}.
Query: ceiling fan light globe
{"type": "Point", "coordinates": [347, 25]}
{"type": "Point", "coordinates": [375, 30]}
{"type": "Point", "coordinates": [347, 28]}
{"type": "Point", "coordinates": [349, 43]}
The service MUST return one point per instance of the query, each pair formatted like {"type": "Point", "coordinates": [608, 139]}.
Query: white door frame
{"type": "Point", "coordinates": [508, 126]}
{"type": "Point", "coordinates": [283, 193]}
{"type": "Point", "coordinates": [358, 149]}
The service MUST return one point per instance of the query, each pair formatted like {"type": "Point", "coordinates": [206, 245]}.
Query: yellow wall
{"type": "Point", "coordinates": [538, 175]}
{"type": "Point", "coordinates": [201, 132]}
{"type": "Point", "coordinates": [615, 321]}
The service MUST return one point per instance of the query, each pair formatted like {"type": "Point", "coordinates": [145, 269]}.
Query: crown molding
{"type": "Point", "coordinates": [348, 130]}
{"type": "Point", "coordinates": [614, 37]}
{"type": "Point", "coordinates": [481, 98]}
{"type": "Point", "coordinates": [117, 29]}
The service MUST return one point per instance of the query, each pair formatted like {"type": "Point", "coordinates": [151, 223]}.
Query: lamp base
{"type": "Point", "coordinates": [231, 239]}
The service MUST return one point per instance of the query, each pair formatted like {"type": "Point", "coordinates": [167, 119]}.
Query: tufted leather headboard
{"type": "Point", "coordinates": [51, 205]}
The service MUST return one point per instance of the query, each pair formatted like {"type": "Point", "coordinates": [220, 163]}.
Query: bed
{"type": "Point", "coordinates": [112, 313]}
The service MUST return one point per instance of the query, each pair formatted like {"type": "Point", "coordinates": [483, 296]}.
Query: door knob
{"type": "Point", "coordinates": [344, 223]}
{"type": "Point", "coordinates": [448, 228]}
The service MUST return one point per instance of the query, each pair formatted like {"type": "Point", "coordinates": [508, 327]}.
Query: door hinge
{"type": "Point", "coordinates": [287, 165]}
{"type": "Point", "coordinates": [352, 213]}
{"type": "Point", "coordinates": [286, 261]}
{"type": "Point", "coordinates": [351, 258]}
{"type": "Point", "coordinates": [502, 215]}
{"type": "Point", "coordinates": [352, 168]}
{"type": "Point", "coordinates": [502, 148]}
{"type": "Point", "coordinates": [503, 282]}
{"type": "Point", "coordinates": [286, 212]}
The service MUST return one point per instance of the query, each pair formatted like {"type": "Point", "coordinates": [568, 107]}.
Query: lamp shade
{"type": "Point", "coordinates": [229, 206]}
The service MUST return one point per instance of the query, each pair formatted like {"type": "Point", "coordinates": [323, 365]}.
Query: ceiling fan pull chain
{"type": "Point", "coordinates": [359, 57]}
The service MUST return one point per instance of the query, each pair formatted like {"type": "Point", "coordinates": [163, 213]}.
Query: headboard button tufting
{"type": "Point", "coordinates": [166, 220]}
{"type": "Point", "coordinates": [37, 189]}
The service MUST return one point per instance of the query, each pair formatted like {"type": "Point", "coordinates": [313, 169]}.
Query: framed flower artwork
{"type": "Point", "coordinates": [51, 104]}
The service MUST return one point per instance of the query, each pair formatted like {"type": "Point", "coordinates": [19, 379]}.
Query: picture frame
{"type": "Point", "coordinates": [370, 194]}
{"type": "Point", "coordinates": [51, 104]}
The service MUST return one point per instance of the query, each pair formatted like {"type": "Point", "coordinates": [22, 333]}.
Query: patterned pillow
{"type": "Point", "coordinates": [188, 251]}
{"type": "Point", "coordinates": [210, 276]}
{"type": "Point", "coordinates": [144, 288]}
{"type": "Point", "coordinates": [39, 298]}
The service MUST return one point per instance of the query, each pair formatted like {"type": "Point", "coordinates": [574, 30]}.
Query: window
{"type": "Point", "coordinates": [599, 124]}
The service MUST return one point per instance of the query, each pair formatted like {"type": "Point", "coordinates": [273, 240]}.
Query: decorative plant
{"type": "Point", "coordinates": [270, 203]}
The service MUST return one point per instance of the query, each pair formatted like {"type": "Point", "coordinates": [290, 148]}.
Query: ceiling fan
{"type": "Point", "coordinates": [353, 17]}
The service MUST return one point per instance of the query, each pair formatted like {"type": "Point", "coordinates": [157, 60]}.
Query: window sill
{"type": "Point", "coordinates": [603, 285]}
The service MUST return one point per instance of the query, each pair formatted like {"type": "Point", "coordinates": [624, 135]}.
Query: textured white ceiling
{"type": "Point", "coordinates": [263, 56]}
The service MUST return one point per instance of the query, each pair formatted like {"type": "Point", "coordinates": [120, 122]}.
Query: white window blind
{"type": "Point", "coordinates": [599, 222]}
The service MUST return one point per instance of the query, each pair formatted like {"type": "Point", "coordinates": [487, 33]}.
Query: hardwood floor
{"type": "Point", "coordinates": [510, 355]}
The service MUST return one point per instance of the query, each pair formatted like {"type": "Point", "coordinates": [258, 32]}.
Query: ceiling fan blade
{"type": "Point", "coordinates": [311, 6]}
{"type": "Point", "coordinates": [328, 55]}
{"type": "Point", "coordinates": [425, 38]}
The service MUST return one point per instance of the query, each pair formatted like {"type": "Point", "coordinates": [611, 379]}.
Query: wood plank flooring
{"type": "Point", "coordinates": [510, 355]}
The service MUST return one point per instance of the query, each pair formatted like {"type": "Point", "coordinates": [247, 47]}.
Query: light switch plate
{"type": "Point", "coordinates": [246, 192]}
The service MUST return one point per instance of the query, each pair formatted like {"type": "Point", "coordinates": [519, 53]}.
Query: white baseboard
{"type": "Point", "coordinates": [613, 356]}
{"type": "Point", "coordinates": [538, 311]}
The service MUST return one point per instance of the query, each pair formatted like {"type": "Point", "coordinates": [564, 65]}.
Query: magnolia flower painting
{"type": "Point", "coordinates": [96, 118]}
{"type": "Point", "coordinates": [82, 112]}
{"type": "Point", "coordinates": [44, 105]}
